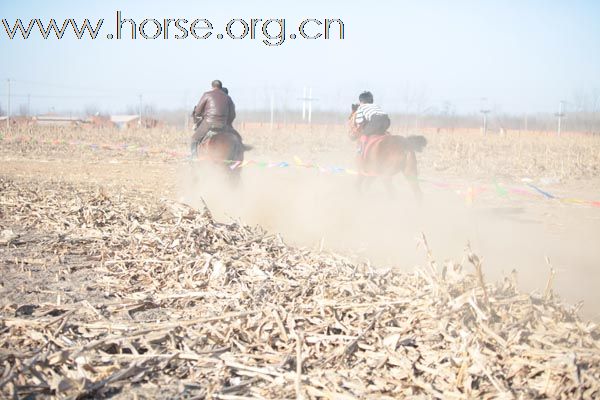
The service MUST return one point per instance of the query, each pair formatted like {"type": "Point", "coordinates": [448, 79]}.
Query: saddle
{"type": "Point", "coordinates": [210, 134]}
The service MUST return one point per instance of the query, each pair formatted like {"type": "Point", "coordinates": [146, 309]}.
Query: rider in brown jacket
{"type": "Point", "coordinates": [231, 128]}
{"type": "Point", "coordinates": [215, 111]}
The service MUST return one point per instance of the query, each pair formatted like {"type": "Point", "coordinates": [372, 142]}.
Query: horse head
{"type": "Point", "coordinates": [353, 128]}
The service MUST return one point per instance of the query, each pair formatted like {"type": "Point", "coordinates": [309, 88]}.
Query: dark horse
{"type": "Point", "coordinates": [386, 156]}
{"type": "Point", "coordinates": [225, 150]}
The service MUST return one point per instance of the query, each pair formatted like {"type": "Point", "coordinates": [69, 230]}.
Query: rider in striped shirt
{"type": "Point", "coordinates": [369, 117]}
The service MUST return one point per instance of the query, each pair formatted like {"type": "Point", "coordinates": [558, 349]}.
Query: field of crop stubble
{"type": "Point", "coordinates": [112, 285]}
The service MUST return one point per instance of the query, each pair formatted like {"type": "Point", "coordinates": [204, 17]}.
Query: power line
{"type": "Point", "coordinates": [119, 90]}
{"type": "Point", "coordinates": [75, 96]}
{"type": "Point", "coordinates": [59, 85]}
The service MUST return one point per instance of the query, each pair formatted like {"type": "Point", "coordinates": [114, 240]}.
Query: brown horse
{"type": "Point", "coordinates": [386, 156]}
{"type": "Point", "coordinates": [224, 150]}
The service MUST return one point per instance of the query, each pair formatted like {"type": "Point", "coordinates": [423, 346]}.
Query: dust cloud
{"type": "Point", "coordinates": [321, 210]}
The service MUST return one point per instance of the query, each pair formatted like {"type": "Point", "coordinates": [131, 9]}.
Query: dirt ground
{"type": "Point", "coordinates": [526, 234]}
{"type": "Point", "coordinates": [129, 271]}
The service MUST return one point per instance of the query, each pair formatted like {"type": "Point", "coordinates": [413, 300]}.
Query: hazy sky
{"type": "Point", "coordinates": [523, 56]}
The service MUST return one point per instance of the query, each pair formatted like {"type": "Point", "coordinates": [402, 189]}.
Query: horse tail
{"type": "Point", "coordinates": [415, 142]}
{"type": "Point", "coordinates": [237, 149]}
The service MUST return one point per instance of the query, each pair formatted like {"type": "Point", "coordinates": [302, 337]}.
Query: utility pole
{"type": "Point", "coordinates": [484, 111]}
{"type": "Point", "coordinates": [272, 108]}
{"type": "Point", "coordinates": [28, 105]}
{"type": "Point", "coordinates": [310, 105]}
{"type": "Point", "coordinates": [303, 103]}
{"type": "Point", "coordinates": [307, 99]}
{"type": "Point", "coordinates": [559, 114]}
{"type": "Point", "coordinates": [140, 120]}
{"type": "Point", "coordinates": [8, 111]}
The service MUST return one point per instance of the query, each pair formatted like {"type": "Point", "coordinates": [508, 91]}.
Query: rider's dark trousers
{"type": "Point", "coordinates": [199, 134]}
{"type": "Point", "coordinates": [378, 124]}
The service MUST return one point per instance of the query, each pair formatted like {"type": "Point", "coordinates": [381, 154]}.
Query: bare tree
{"type": "Point", "coordinates": [595, 103]}
{"type": "Point", "coordinates": [23, 109]}
{"type": "Point", "coordinates": [447, 116]}
{"type": "Point", "coordinates": [580, 101]}
{"type": "Point", "coordinates": [448, 108]}
{"type": "Point", "coordinates": [91, 109]}
{"type": "Point", "coordinates": [149, 110]}
{"type": "Point", "coordinates": [132, 110]}
{"type": "Point", "coordinates": [415, 99]}
{"type": "Point", "coordinates": [586, 100]}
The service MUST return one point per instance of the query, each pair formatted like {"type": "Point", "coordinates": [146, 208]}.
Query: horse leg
{"type": "Point", "coordinates": [411, 174]}
{"type": "Point", "coordinates": [389, 185]}
{"type": "Point", "coordinates": [363, 183]}
{"type": "Point", "coordinates": [368, 182]}
{"type": "Point", "coordinates": [234, 178]}
{"type": "Point", "coordinates": [234, 153]}
{"type": "Point", "coordinates": [359, 183]}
